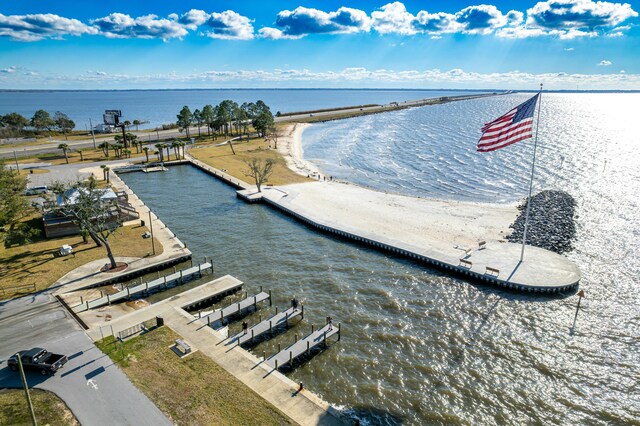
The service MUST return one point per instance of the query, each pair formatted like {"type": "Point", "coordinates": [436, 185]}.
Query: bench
{"type": "Point", "coordinates": [185, 347]}
{"type": "Point", "coordinates": [466, 263]}
{"type": "Point", "coordinates": [492, 271]}
{"type": "Point", "coordinates": [482, 245]}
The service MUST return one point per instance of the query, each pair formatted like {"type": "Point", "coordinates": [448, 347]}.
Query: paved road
{"type": "Point", "coordinates": [95, 389]}
{"type": "Point", "coordinates": [174, 133]}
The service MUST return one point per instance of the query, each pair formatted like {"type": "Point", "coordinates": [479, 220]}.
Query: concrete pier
{"type": "Point", "coordinates": [496, 261]}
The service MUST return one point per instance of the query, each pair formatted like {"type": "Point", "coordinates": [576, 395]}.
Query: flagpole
{"type": "Point", "coordinates": [533, 168]}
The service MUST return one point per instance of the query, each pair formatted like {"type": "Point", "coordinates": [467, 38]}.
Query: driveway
{"type": "Point", "coordinates": [94, 388]}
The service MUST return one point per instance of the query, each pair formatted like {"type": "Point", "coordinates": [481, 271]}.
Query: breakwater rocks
{"type": "Point", "coordinates": [551, 224]}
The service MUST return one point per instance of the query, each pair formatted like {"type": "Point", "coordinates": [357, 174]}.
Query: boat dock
{"type": "Point", "coordinates": [176, 277]}
{"type": "Point", "coordinates": [267, 325]}
{"type": "Point", "coordinates": [302, 346]}
{"type": "Point", "coordinates": [237, 307]}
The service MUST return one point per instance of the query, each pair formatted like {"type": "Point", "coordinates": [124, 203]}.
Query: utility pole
{"type": "Point", "coordinates": [15, 157]}
{"type": "Point", "coordinates": [153, 244]}
{"type": "Point", "coordinates": [26, 390]}
{"type": "Point", "coordinates": [93, 136]}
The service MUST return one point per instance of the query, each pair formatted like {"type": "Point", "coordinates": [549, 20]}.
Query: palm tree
{"type": "Point", "coordinates": [64, 147]}
{"type": "Point", "coordinates": [157, 154]}
{"type": "Point", "coordinates": [104, 146]}
{"type": "Point", "coordinates": [127, 153]}
{"type": "Point", "coordinates": [137, 123]}
{"type": "Point", "coordinates": [160, 152]}
{"type": "Point", "coordinates": [146, 152]}
{"type": "Point", "coordinates": [176, 147]}
{"type": "Point", "coordinates": [127, 124]}
{"type": "Point", "coordinates": [167, 146]}
{"type": "Point", "coordinates": [117, 149]}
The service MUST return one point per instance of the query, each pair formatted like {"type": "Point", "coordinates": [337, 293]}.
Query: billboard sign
{"type": "Point", "coordinates": [112, 116]}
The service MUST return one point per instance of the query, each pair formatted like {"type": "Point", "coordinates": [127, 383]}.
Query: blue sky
{"type": "Point", "coordinates": [567, 44]}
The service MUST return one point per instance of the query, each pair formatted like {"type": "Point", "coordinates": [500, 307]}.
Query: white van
{"type": "Point", "coordinates": [36, 190]}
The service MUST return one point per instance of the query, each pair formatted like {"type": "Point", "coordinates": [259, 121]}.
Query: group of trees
{"type": "Point", "coordinates": [40, 122]}
{"type": "Point", "coordinates": [227, 118]}
{"type": "Point", "coordinates": [14, 207]}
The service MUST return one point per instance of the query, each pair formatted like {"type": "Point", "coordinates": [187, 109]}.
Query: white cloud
{"type": "Point", "coordinates": [348, 77]}
{"type": "Point", "coordinates": [605, 63]}
{"type": "Point", "coordinates": [40, 26]}
{"type": "Point", "coordinates": [192, 19]}
{"type": "Point", "coordinates": [119, 25]}
{"type": "Point", "coordinates": [9, 70]}
{"type": "Point", "coordinates": [303, 21]}
{"type": "Point", "coordinates": [569, 49]}
{"type": "Point", "coordinates": [393, 18]}
{"type": "Point", "coordinates": [229, 25]}
{"type": "Point", "coordinates": [276, 34]}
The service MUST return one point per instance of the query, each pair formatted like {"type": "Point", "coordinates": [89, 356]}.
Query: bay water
{"type": "Point", "coordinates": [421, 347]}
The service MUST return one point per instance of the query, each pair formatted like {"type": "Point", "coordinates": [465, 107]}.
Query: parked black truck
{"type": "Point", "coordinates": [38, 359]}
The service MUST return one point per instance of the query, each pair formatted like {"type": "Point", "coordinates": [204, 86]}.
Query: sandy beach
{"type": "Point", "coordinates": [422, 221]}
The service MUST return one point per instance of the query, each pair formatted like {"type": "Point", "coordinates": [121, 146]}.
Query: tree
{"type": "Point", "coordinates": [105, 172]}
{"type": "Point", "coordinates": [94, 215]}
{"type": "Point", "coordinates": [104, 146]}
{"type": "Point", "coordinates": [126, 124]}
{"type": "Point", "coordinates": [64, 123]}
{"type": "Point", "coordinates": [137, 123]}
{"type": "Point", "coordinates": [14, 206]}
{"type": "Point", "coordinates": [260, 171]}
{"type": "Point", "coordinates": [127, 153]}
{"type": "Point", "coordinates": [41, 120]}
{"type": "Point", "coordinates": [65, 148]}
{"type": "Point", "coordinates": [208, 116]}
{"type": "Point", "coordinates": [185, 118]}
{"type": "Point", "coordinates": [15, 121]}
{"type": "Point", "coordinates": [133, 140]}
{"type": "Point", "coordinates": [160, 148]}
{"type": "Point", "coordinates": [263, 119]}
{"type": "Point", "coordinates": [146, 152]}
{"type": "Point", "coordinates": [117, 149]}
{"type": "Point", "coordinates": [197, 117]}
{"type": "Point", "coordinates": [273, 135]}
{"type": "Point", "coordinates": [176, 149]}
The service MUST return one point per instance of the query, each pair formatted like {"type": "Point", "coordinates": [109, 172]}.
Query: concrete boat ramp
{"type": "Point", "coordinates": [358, 214]}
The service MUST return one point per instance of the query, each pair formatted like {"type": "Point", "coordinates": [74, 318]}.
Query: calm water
{"type": "Point", "coordinates": [161, 106]}
{"type": "Point", "coordinates": [422, 348]}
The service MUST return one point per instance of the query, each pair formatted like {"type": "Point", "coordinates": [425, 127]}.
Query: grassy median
{"type": "Point", "coordinates": [28, 268]}
{"type": "Point", "coordinates": [192, 390]}
{"type": "Point", "coordinates": [48, 408]}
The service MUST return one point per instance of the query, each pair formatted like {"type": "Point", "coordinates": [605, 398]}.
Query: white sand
{"type": "Point", "coordinates": [421, 221]}
{"type": "Point", "coordinates": [290, 146]}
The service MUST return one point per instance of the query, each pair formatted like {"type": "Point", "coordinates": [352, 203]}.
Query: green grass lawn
{"type": "Point", "coordinates": [49, 409]}
{"type": "Point", "coordinates": [35, 266]}
{"type": "Point", "coordinates": [192, 390]}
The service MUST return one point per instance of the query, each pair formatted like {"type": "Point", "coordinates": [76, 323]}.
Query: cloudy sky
{"type": "Point", "coordinates": [567, 44]}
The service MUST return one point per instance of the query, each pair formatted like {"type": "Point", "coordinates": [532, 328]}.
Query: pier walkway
{"type": "Point", "coordinates": [176, 277]}
{"type": "Point", "coordinates": [302, 346]}
{"type": "Point", "coordinates": [304, 407]}
{"type": "Point", "coordinates": [410, 227]}
{"type": "Point", "coordinates": [267, 325]}
{"type": "Point", "coordinates": [235, 308]}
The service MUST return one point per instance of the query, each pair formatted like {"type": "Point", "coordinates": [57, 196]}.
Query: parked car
{"type": "Point", "coordinates": [38, 359]}
{"type": "Point", "coordinates": [35, 190]}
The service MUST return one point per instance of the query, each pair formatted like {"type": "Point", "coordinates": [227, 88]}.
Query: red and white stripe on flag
{"type": "Point", "coordinates": [514, 126]}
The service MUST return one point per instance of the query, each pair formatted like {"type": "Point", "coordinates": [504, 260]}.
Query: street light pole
{"type": "Point", "coordinates": [26, 390]}
{"type": "Point", "coordinates": [153, 244]}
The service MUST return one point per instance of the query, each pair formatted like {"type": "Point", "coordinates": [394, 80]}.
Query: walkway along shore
{"type": "Point", "coordinates": [399, 224]}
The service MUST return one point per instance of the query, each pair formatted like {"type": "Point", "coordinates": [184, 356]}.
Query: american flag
{"type": "Point", "coordinates": [514, 126]}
